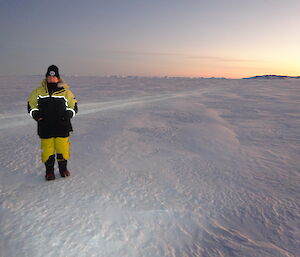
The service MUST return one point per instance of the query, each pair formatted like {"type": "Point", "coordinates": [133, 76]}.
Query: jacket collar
{"type": "Point", "coordinates": [61, 84]}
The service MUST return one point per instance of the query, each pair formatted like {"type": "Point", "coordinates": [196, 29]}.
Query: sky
{"type": "Point", "coordinates": [190, 38]}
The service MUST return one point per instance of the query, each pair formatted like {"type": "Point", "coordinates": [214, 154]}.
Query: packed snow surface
{"type": "Point", "coordinates": [160, 167]}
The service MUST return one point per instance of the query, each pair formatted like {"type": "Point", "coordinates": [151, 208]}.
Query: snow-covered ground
{"type": "Point", "coordinates": [160, 167]}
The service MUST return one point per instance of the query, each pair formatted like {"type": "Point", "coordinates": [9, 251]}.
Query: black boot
{"type": "Point", "coordinates": [50, 168]}
{"type": "Point", "coordinates": [62, 166]}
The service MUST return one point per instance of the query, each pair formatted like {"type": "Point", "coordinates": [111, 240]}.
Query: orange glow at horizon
{"type": "Point", "coordinates": [193, 63]}
{"type": "Point", "coordinates": [241, 69]}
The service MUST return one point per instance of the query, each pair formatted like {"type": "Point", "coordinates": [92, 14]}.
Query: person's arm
{"type": "Point", "coordinates": [32, 106]}
{"type": "Point", "coordinates": [72, 107]}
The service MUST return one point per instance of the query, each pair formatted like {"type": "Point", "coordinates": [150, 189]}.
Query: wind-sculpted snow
{"type": "Point", "coordinates": [160, 167]}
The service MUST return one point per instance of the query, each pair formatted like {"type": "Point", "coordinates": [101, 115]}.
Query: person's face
{"type": "Point", "coordinates": [52, 79]}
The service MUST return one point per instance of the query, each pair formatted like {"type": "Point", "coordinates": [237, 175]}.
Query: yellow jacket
{"type": "Point", "coordinates": [53, 109]}
{"type": "Point", "coordinates": [42, 91]}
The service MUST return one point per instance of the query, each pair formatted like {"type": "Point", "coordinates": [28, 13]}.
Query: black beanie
{"type": "Point", "coordinates": [52, 71]}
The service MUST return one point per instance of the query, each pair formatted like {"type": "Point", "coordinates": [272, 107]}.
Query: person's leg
{"type": "Point", "coordinates": [48, 156]}
{"type": "Point", "coordinates": [62, 146]}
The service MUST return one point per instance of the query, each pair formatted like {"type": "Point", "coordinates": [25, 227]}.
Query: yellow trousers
{"type": "Point", "coordinates": [58, 145]}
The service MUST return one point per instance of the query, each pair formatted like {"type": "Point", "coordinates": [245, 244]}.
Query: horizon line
{"type": "Point", "coordinates": [150, 76]}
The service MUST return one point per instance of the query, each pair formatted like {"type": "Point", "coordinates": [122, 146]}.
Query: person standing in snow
{"type": "Point", "coordinates": [53, 105]}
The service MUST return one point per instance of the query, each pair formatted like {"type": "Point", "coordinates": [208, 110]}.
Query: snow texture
{"type": "Point", "coordinates": [160, 167]}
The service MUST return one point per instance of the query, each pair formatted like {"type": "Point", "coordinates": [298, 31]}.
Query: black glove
{"type": "Point", "coordinates": [36, 115]}
{"type": "Point", "coordinates": [67, 115]}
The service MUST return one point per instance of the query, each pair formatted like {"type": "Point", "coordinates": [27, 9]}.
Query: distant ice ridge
{"type": "Point", "coordinates": [274, 77]}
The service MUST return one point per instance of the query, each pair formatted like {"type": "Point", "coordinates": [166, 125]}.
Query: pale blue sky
{"type": "Point", "coordinates": [231, 38]}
